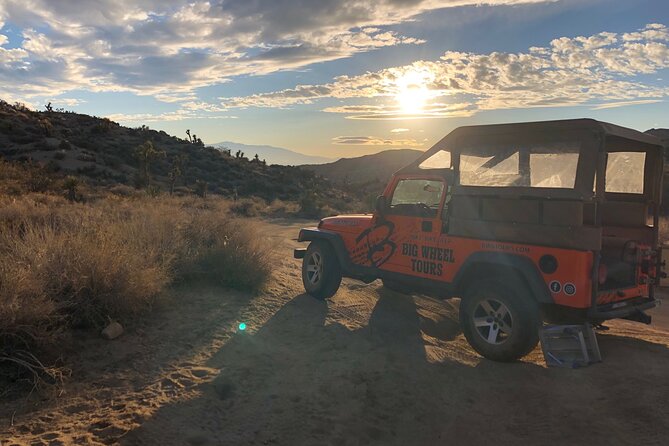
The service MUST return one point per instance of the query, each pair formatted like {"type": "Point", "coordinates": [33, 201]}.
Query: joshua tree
{"type": "Point", "coordinates": [70, 185]}
{"type": "Point", "coordinates": [197, 141]}
{"type": "Point", "coordinates": [145, 154]}
{"type": "Point", "coordinates": [48, 107]}
{"type": "Point", "coordinates": [189, 137]}
{"type": "Point", "coordinates": [176, 170]}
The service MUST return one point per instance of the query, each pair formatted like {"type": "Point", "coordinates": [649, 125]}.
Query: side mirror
{"type": "Point", "coordinates": [381, 205]}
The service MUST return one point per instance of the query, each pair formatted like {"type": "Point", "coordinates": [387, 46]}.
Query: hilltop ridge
{"type": "Point", "coordinates": [104, 153]}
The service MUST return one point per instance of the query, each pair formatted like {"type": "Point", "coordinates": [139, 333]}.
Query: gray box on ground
{"type": "Point", "coordinates": [569, 346]}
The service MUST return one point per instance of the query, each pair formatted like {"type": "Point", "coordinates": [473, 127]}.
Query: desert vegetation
{"type": "Point", "coordinates": [104, 153]}
{"type": "Point", "coordinates": [66, 264]}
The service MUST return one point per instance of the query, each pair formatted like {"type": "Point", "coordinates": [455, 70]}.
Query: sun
{"type": "Point", "coordinates": [412, 92]}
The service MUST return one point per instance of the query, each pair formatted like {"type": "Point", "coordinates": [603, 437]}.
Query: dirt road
{"type": "Point", "coordinates": [368, 367]}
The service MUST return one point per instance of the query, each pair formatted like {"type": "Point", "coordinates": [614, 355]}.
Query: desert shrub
{"type": "Point", "coordinates": [64, 145]}
{"type": "Point", "coordinates": [249, 207]}
{"type": "Point", "coordinates": [201, 188]}
{"type": "Point", "coordinates": [59, 155]}
{"type": "Point", "coordinates": [122, 190]}
{"type": "Point", "coordinates": [226, 252]}
{"type": "Point", "coordinates": [309, 205]}
{"type": "Point", "coordinates": [6, 127]}
{"type": "Point", "coordinates": [102, 126]}
{"type": "Point", "coordinates": [65, 264]}
{"type": "Point", "coordinates": [87, 157]}
{"type": "Point", "coordinates": [280, 208]}
{"type": "Point", "coordinates": [38, 179]}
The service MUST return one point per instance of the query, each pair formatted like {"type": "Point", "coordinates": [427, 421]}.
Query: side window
{"type": "Point", "coordinates": [625, 171]}
{"type": "Point", "coordinates": [417, 197]}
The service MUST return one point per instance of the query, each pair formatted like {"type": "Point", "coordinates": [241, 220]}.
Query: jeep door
{"type": "Point", "coordinates": [413, 219]}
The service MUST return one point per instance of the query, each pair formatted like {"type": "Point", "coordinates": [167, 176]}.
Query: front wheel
{"type": "Point", "coordinates": [321, 272]}
{"type": "Point", "coordinates": [500, 319]}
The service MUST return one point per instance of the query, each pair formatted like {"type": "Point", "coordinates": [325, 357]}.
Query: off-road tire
{"type": "Point", "coordinates": [513, 335]}
{"type": "Point", "coordinates": [321, 271]}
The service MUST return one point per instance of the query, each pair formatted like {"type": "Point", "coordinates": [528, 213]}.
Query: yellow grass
{"type": "Point", "coordinates": [64, 264]}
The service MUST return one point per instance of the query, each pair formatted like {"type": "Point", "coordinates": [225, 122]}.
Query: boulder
{"type": "Point", "coordinates": [112, 331]}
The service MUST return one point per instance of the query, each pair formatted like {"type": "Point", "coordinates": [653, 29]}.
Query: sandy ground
{"type": "Point", "coordinates": [368, 367]}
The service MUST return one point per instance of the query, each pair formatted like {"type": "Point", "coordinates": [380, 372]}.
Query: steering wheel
{"type": "Point", "coordinates": [427, 210]}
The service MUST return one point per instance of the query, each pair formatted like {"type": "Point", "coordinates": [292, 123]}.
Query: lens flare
{"type": "Point", "coordinates": [242, 326]}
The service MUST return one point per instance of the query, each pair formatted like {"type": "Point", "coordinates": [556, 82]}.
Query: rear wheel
{"type": "Point", "coordinates": [500, 319]}
{"type": "Point", "coordinates": [321, 272]}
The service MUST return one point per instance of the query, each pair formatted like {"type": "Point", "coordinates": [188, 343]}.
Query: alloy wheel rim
{"type": "Point", "coordinates": [493, 321]}
{"type": "Point", "coordinates": [315, 268]}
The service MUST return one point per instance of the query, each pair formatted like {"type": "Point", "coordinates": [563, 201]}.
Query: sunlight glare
{"type": "Point", "coordinates": [412, 91]}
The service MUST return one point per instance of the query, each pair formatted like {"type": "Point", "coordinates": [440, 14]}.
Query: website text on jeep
{"type": "Point", "coordinates": [545, 221]}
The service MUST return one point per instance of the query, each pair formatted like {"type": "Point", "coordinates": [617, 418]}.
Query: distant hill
{"type": "Point", "coordinates": [662, 134]}
{"type": "Point", "coordinates": [273, 155]}
{"type": "Point", "coordinates": [104, 153]}
{"type": "Point", "coordinates": [365, 176]}
{"type": "Point", "coordinates": [379, 166]}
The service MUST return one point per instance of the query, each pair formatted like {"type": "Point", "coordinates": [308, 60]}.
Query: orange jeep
{"type": "Point", "coordinates": [525, 222]}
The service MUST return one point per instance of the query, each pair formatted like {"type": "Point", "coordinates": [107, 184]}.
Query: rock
{"type": "Point", "coordinates": [112, 331]}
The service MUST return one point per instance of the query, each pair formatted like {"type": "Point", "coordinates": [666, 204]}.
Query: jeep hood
{"type": "Point", "coordinates": [347, 223]}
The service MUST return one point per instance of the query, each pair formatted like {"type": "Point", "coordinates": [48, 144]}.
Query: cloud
{"type": "Point", "coordinates": [68, 102]}
{"type": "Point", "coordinates": [374, 141]}
{"type": "Point", "coordinates": [169, 48]}
{"type": "Point", "coordinates": [178, 115]}
{"type": "Point", "coordinates": [395, 113]}
{"type": "Point", "coordinates": [601, 69]}
{"type": "Point", "coordinates": [400, 130]}
{"type": "Point", "coordinates": [625, 104]}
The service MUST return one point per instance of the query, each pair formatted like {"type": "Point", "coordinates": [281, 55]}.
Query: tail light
{"type": "Point", "coordinates": [602, 274]}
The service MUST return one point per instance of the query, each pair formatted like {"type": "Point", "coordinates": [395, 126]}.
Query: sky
{"type": "Point", "coordinates": [338, 78]}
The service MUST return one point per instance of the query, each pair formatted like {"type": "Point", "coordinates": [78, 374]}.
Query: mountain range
{"type": "Point", "coordinates": [273, 155]}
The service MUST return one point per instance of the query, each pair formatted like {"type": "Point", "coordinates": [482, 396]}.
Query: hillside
{"type": "Point", "coordinates": [104, 153]}
{"type": "Point", "coordinates": [662, 134]}
{"type": "Point", "coordinates": [365, 176]}
{"type": "Point", "coordinates": [379, 166]}
{"type": "Point", "coordinates": [273, 155]}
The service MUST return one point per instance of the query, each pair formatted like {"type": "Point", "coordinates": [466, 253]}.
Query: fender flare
{"type": "Point", "coordinates": [524, 266]}
{"type": "Point", "coordinates": [335, 240]}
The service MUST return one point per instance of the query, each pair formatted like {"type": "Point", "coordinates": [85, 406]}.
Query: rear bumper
{"type": "Point", "coordinates": [622, 309]}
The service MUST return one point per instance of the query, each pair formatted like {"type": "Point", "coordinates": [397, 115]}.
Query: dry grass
{"type": "Point", "coordinates": [68, 264]}
{"type": "Point", "coordinates": [308, 207]}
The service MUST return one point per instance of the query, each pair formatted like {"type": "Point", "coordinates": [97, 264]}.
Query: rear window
{"type": "Point", "coordinates": [440, 160]}
{"type": "Point", "coordinates": [625, 172]}
{"type": "Point", "coordinates": [550, 165]}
